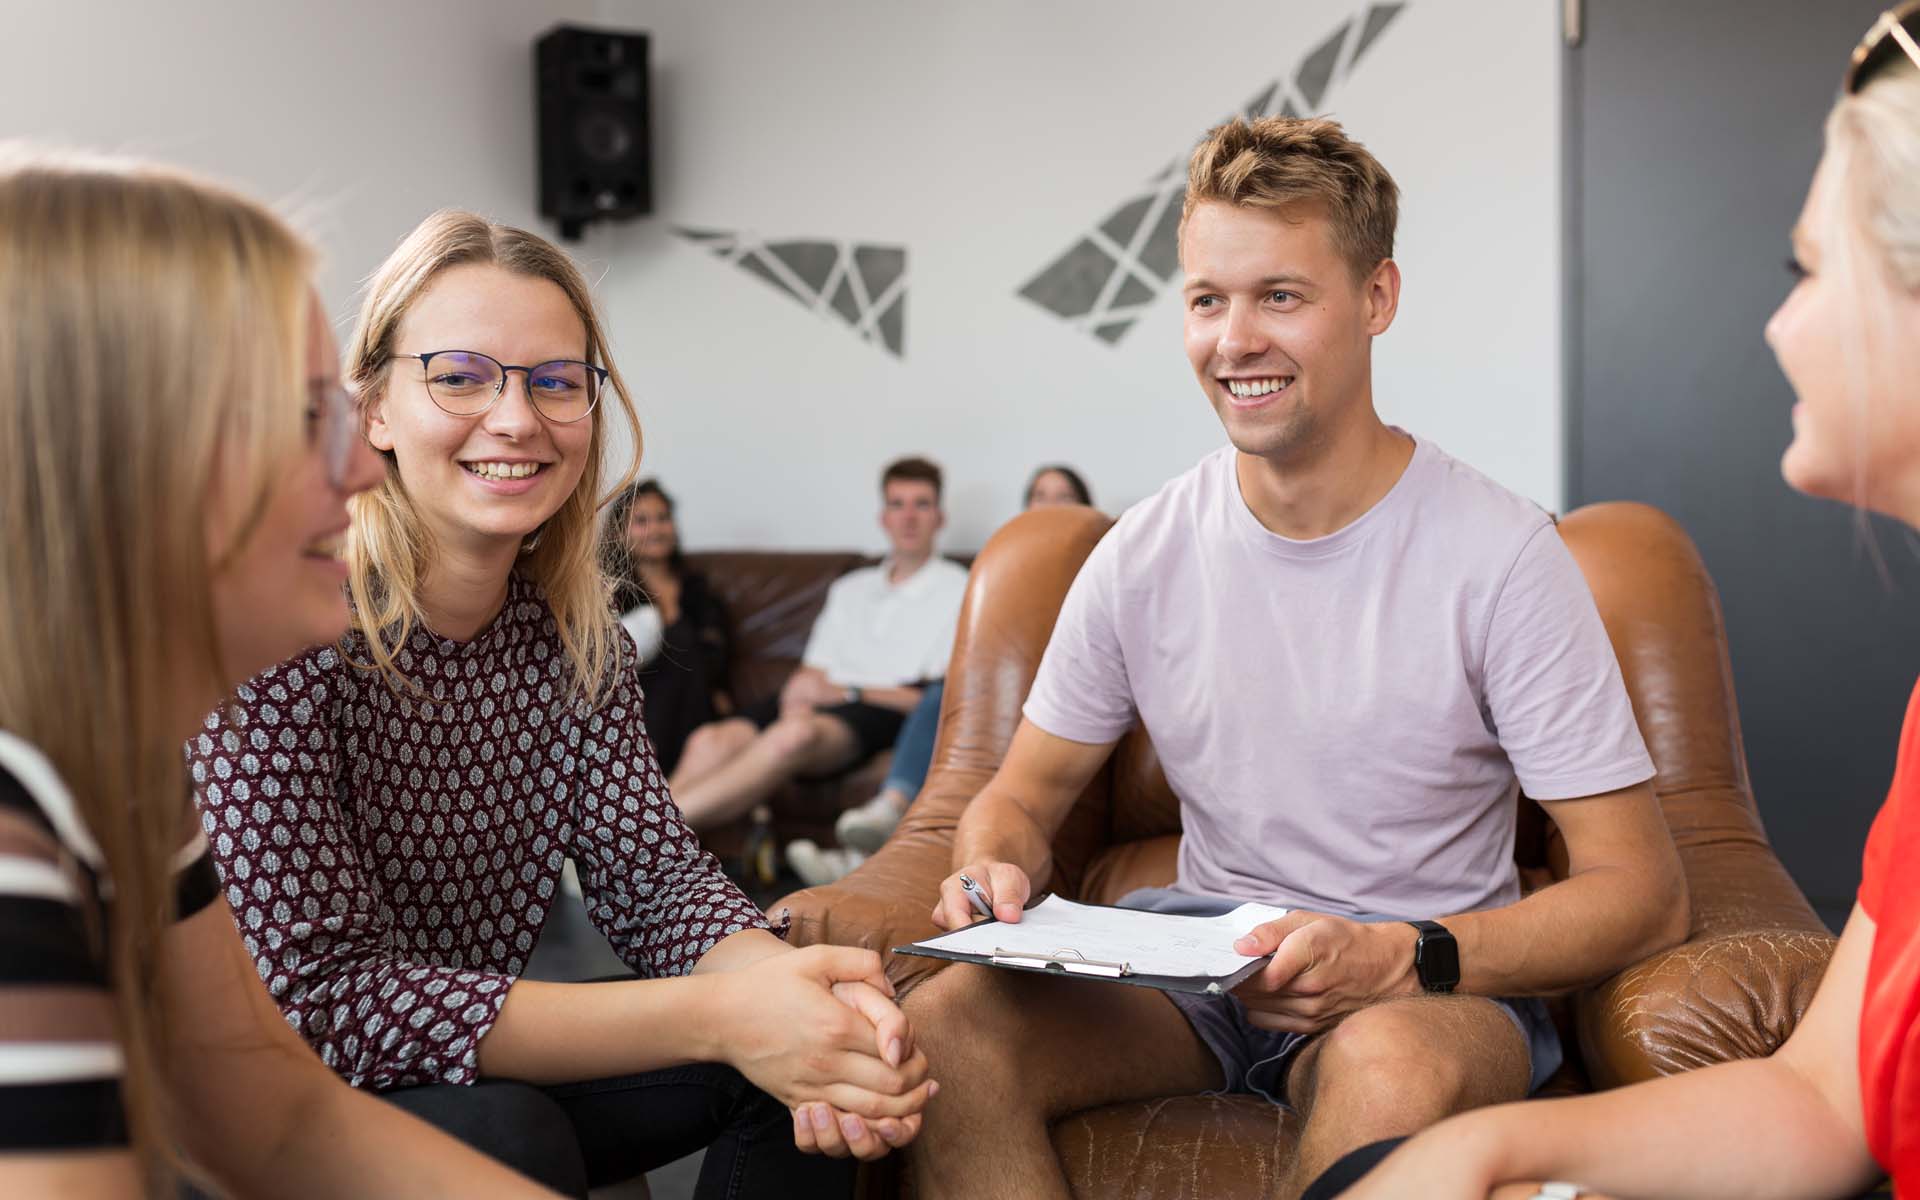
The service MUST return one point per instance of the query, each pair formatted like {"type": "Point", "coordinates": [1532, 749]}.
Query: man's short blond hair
{"type": "Point", "coordinates": [1277, 162]}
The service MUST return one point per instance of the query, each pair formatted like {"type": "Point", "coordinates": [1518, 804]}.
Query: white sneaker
{"type": "Point", "coordinates": [869, 826]}
{"type": "Point", "coordinates": [817, 867]}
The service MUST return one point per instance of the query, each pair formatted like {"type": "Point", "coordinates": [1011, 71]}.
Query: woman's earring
{"type": "Point", "coordinates": [533, 539]}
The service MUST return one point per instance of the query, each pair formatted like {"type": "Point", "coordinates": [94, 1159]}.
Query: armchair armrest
{"type": "Point", "coordinates": [887, 902]}
{"type": "Point", "coordinates": [1708, 1001]}
{"type": "Point", "coordinates": [1735, 989]}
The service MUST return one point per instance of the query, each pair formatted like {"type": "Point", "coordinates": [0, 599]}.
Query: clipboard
{"type": "Point", "coordinates": [1067, 963]}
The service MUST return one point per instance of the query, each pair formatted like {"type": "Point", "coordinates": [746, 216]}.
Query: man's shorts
{"type": "Point", "coordinates": [874, 728]}
{"type": "Point", "coordinates": [1255, 1061]}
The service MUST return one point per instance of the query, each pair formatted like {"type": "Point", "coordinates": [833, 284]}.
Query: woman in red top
{"type": "Point", "coordinates": [1839, 1104]}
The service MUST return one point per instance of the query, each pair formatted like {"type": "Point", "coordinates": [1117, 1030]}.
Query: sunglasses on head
{"type": "Point", "coordinates": [1897, 31]}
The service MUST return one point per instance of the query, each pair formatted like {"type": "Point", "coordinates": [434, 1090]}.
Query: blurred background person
{"type": "Point", "coordinates": [863, 830]}
{"type": "Point", "coordinates": [675, 617]}
{"type": "Point", "coordinates": [1057, 483]}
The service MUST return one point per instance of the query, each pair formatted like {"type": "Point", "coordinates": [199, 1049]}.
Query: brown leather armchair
{"type": "Point", "coordinates": [1734, 989]}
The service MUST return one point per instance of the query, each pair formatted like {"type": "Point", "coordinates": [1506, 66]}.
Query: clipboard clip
{"type": "Point", "coordinates": [1065, 959]}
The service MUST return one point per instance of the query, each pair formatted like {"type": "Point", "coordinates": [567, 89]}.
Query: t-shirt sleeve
{"type": "Point", "coordinates": [267, 776]}
{"type": "Point", "coordinates": [1876, 864]}
{"type": "Point", "coordinates": [660, 899]}
{"type": "Point", "coordinates": [196, 880]}
{"type": "Point", "coordinates": [825, 638]}
{"type": "Point", "coordinates": [1554, 692]}
{"type": "Point", "coordinates": [60, 1058]}
{"type": "Point", "coordinates": [1081, 691]}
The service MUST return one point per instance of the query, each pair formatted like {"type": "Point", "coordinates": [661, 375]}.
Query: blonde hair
{"type": "Point", "coordinates": [1870, 239]}
{"type": "Point", "coordinates": [155, 332]}
{"type": "Point", "coordinates": [1874, 138]}
{"type": "Point", "coordinates": [390, 549]}
{"type": "Point", "coordinates": [1276, 162]}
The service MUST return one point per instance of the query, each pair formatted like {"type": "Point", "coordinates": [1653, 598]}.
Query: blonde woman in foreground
{"type": "Point", "coordinates": [1839, 1104]}
{"type": "Point", "coordinates": [179, 454]}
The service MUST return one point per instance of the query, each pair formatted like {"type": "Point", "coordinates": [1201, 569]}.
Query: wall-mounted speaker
{"type": "Point", "coordinates": [595, 151]}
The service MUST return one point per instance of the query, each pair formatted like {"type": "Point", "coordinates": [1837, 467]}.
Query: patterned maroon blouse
{"type": "Point", "coordinates": [391, 858]}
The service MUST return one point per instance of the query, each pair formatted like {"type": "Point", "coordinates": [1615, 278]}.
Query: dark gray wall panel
{"type": "Point", "coordinates": [1693, 131]}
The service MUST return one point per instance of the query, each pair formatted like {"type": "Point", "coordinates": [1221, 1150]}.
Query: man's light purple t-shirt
{"type": "Point", "coordinates": [1344, 719]}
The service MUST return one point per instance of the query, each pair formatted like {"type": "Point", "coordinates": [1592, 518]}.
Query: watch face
{"type": "Point", "coordinates": [1437, 959]}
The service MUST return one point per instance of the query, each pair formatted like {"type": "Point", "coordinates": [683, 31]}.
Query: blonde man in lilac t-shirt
{"type": "Point", "coordinates": [1351, 651]}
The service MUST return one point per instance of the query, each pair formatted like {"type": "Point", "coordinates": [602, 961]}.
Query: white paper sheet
{"type": "Point", "coordinates": [1149, 943]}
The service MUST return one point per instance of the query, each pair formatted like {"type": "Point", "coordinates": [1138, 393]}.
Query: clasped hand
{"type": "Point", "coordinates": [1323, 968]}
{"type": "Point", "coordinates": [818, 1030]}
{"type": "Point", "coordinates": [808, 689]}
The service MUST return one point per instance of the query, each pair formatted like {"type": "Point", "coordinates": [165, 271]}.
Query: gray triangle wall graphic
{"type": "Point", "coordinates": [861, 284]}
{"type": "Point", "coordinates": [1105, 281]}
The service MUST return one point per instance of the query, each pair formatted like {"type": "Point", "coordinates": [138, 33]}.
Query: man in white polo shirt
{"type": "Point", "coordinates": [886, 632]}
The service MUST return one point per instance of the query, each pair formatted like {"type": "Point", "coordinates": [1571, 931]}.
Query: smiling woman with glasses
{"type": "Point", "coordinates": [1838, 1104]}
{"type": "Point", "coordinates": [392, 812]}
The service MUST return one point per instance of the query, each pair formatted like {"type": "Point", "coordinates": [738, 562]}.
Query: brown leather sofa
{"type": "Point", "coordinates": [1734, 989]}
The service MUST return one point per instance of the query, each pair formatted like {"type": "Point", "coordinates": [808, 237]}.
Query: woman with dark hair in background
{"type": "Point", "coordinates": [1057, 483]}
{"type": "Point", "coordinates": [864, 829]}
{"type": "Point", "coordinates": [673, 615]}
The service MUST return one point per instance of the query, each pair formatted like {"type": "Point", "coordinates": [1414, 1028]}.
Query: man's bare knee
{"type": "Point", "coordinates": [972, 1030]}
{"type": "Point", "coordinates": [718, 738]}
{"type": "Point", "coordinates": [789, 738]}
{"type": "Point", "coordinates": [1406, 1057]}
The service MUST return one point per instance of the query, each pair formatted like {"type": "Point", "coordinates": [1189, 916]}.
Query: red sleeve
{"type": "Point", "coordinates": [1873, 868]}
{"type": "Point", "coordinates": [1874, 865]}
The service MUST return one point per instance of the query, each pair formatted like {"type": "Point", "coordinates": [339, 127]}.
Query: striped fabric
{"type": "Point", "coordinates": [60, 1063]}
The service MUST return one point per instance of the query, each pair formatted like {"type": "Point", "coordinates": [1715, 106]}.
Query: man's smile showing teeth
{"type": "Point", "coordinates": [1257, 387]}
{"type": "Point", "coordinates": [501, 470]}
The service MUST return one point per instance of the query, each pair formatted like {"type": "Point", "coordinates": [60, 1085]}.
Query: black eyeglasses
{"type": "Point", "coordinates": [466, 383]}
{"type": "Point", "coordinates": [333, 424]}
{"type": "Point", "coordinates": [1897, 29]}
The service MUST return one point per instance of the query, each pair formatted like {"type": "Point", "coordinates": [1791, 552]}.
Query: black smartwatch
{"type": "Point", "coordinates": [1436, 957]}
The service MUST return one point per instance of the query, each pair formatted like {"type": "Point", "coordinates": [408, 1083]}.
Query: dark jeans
{"type": "Point", "coordinates": [579, 1135]}
{"type": "Point", "coordinates": [913, 749]}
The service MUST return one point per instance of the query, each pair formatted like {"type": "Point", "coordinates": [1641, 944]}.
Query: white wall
{"type": "Point", "coordinates": [356, 116]}
{"type": "Point", "coordinates": [985, 137]}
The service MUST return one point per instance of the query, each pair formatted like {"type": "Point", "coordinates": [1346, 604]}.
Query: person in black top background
{"type": "Point", "coordinates": [674, 615]}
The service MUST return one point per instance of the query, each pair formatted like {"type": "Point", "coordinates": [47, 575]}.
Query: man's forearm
{"type": "Point", "coordinates": [997, 828]}
{"type": "Point", "coordinates": [899, 699]}
{"type": "Point", "coordinates": [1574, 933]}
